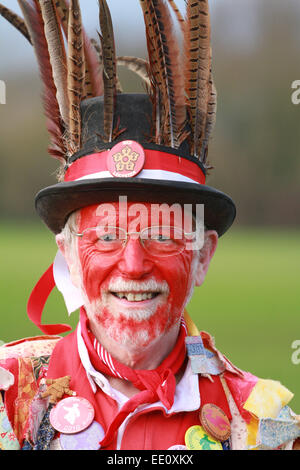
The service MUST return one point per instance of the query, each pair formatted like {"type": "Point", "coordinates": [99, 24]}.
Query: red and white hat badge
{"type": "Point", "coordinates": [126, 159]}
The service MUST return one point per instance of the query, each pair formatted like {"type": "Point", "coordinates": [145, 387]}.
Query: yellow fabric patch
{"type": "Point", "coordinates": [192, 330]}
{"type": "Point", "coordinates": [252, 430]}
{"type": "Point", "coordinates": [267, 398]}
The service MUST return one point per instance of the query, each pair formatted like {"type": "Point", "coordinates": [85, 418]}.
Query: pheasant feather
{"type": "Point", "coordinates": [210, 120]}
{"type": "Point", "coordinates": [15, 20]}
{"type": "Point", "coordinates": [158, 91]}
{"type": "Point", "coordinates": [57, 56]}
{"type": "Point", "coordinates": [164, 58]}
{"type": "Point", "coordinates": [136, 65]}
{"type": "Point", "coordinates": [76, 72]}
{"type": "Point", "coordinates": [178, 14]}
{"type": "Point", "coordinates": [109, 69]}
{"type": "Point", "coordinates": [197, 69]}
{"type": "Point", "coordinates": [93, 77]}
{"type": "Point", "coordinates": [35, 25]}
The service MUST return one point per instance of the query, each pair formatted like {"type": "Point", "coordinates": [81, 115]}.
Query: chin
{"type": "Point", "coordinates": [132, 327]}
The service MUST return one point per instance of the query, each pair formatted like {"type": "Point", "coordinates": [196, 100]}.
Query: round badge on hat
{"type": "Point", "coordinates": [72, 415]}
{"type": "Point", "coordinates": [196, 438]}
{"type": "Point", "coordinates": [126, 159]}
{"type": "Point", "coordinates": [215, 422]}
{"type": "Point", "coordinates": [89, 439]}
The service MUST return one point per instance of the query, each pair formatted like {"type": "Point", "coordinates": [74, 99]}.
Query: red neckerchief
{"type": "Point", "coordinates": [65, 360]}
{"type": "Point", "coordinates": [155, 385]}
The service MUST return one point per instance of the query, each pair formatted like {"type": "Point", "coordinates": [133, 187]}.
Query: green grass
{"type": "Point", "coordinates": [249, 302]}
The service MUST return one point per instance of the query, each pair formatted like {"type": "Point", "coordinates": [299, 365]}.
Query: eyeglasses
{"type": "Point", "coordinates": [157, 241]}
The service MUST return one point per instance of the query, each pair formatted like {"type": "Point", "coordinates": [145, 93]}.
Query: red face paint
{"type": "Point", "coordinates": [106, 276]}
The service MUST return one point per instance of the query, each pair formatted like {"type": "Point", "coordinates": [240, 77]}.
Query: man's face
{"type": "Point", "coordinates": [133, 296]}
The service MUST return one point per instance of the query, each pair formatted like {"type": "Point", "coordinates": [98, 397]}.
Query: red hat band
{"type": "Point", "coordinates": [129, 159]}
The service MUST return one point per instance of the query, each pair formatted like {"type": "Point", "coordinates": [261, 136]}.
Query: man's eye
{"type": "Point", "coordinates": [161, 238]}
{"type": "Point", "coordinates": [108, 237]}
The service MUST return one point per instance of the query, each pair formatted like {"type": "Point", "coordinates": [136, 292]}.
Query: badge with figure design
{"type": "Point", "coordinates": [126, 159]}
{"type": "Point", "coordinates": [72, 415]}
{"type": "Point", "coordinates": [196, 438]}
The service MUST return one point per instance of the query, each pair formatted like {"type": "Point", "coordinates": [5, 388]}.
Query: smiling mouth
{"type": "Point", "coordinates": [135, 296]}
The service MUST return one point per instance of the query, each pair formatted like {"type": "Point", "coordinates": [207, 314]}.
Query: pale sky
{"type": "Point", "coordinates": [239, 21]}
{"type": "Point", "coordinates": [126, 15]}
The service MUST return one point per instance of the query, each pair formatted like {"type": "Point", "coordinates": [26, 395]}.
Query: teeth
{"type": "Point", "coordinates": [135, 297]}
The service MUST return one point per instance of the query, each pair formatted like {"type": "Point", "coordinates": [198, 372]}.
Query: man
{"type": "Point", "coordinates": [129, 215]}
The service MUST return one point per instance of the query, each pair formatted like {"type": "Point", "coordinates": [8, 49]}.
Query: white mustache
{"type": "Point", "coordinates": [120, 285]}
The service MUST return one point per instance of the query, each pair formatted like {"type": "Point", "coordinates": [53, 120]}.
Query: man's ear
{"type": "Point", "coordinates": [60, 242]}
{"type": "Point", "coordinates": [70, 257]}
{"type": "Point", "coordinates": [205, 255]}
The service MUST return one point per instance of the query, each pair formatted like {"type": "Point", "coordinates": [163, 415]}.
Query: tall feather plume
{"type": "Point", "coordinates": [15, 20]}
{"type": "Point", "coordinates": [156, 72]}
{"type": "Point", "coordinates": [57, 56]}
{"type": "Point", "coordinates": [76, 72]}
{"type": "Point", "coordinates": [197, 69]}
{"type": "Point", "coordinates": [93, 82]}
{"type": "Point", "coordinates": [163, 72]}
{"type": "Point", "coordinates": [164, 57]}
{"type": "Point", "coordinates": [137, 65]}
{"type": "Point", "coordinates": [35, 25]}
{"type": "Point", "coordinates": [109, 69]}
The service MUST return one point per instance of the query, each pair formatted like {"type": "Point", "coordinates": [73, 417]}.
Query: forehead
{"type": "Point", "coordinates": [141, 213]}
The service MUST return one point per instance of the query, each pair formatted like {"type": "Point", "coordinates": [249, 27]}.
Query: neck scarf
{"type": "Point", "coordinates": [154, 385]}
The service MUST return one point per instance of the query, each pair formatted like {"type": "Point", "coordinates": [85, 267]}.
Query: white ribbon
{"type": "Point", "coordinates": [71, 294]}
{"type": "Point", "coordinates": [6, 379]}
{"type": "Point", "coordinates": [146, 174]}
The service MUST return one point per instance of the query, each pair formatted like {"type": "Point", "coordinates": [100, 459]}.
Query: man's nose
{"type": "Point", "coordinates": [134, 262]}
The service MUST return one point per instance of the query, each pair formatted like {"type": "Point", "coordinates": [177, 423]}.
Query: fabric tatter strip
{"type": "Point", "coordinates": [173, 167]}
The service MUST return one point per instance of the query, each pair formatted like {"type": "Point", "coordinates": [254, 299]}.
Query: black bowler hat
{"type": "Point", "coordinates": [167, 175]}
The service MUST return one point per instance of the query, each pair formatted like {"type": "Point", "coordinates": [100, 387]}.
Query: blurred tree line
{"type": "Point", "coordinates": [256, 144]}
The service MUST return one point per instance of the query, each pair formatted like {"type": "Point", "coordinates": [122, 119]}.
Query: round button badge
{"type": "Point", "coordinates": [89, 439]}
{"type": "Point", "coordinates": [215, 422]}
{"type": "Point", "coordinates": [177, 447]}
{"type": "Point", "coordinates": [126, 159]}
{"type": "Point", "coordinates": [196, 438]}
{"type": "Point", "coordinates": [72, 415]}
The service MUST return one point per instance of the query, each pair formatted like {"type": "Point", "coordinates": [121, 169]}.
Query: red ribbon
{"type": "Point", "coordinates": [154, 160]}
{"type": "Point", "coordinates": [36, 303]}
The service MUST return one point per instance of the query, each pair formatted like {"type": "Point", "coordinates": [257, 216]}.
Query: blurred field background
{"type": "Point", "coordinates": [250, 300]}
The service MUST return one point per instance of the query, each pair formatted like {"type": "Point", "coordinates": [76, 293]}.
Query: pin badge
{"type": "Point", "coordinates": [88, 439]}
{"type": "Point", "coordinates": [215, 422]}
{"type": "Point", "coordinates": [196, 438]}
{"type": "Point", "coordinates": [126, 159]}
{"type": "Point", "coordinates": [177, 447]}
{"type": "Point", "coordinates": [72, 415]}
